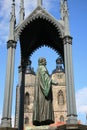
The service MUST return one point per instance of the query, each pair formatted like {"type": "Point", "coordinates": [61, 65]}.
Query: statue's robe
{"type": "Point", "coordinates": [43, 109]}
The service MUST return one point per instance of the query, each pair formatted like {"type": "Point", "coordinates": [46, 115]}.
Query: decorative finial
{"type": "Point", "coordinates": [66, 19]}
{"type": "Point", "coordinates": [22, 11]}
{"type": "Point", "coordinates": [13, 8]}
{"type": "Point", "coordinates": [66, 6]}
{"type": "Point", "coordinates": [39, 2]}
{"type": "Point", "coordinates": [62, 9]}
{"type": "Point", "coordinates": [12, 21]}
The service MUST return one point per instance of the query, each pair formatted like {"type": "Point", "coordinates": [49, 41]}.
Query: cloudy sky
{"type": "Point", "coordinates": [78, 29]}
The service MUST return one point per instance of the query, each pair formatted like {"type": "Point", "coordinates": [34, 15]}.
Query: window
{"type": "Point", "coordinates": [60, 97]}
{"type": "Point", "coordinates": [26, 120]}
{"type": "Point", "coordinates": [26, 99]}
{"type": "Point", "coordinates": [61, 119]}
{"type": "Point", "coordinates": [59, 76]}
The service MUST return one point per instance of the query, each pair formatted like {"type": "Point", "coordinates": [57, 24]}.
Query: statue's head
{"type": "Point", "coordinates": [42, 61]}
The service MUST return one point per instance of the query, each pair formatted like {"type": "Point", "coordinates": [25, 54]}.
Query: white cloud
{"type": "Point", "coordinates": [47, 4]}
{"type": "Point", "coordinates": [30, 6]}
{"type": "Point", "coordinates": [4, 19]}
{"type": "Point", "coordinates": [5, 9]}
{"type": "Point", "coordinates": [81, 100]}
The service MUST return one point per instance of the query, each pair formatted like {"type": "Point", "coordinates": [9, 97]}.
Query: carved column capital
{"type": "Point", "coordinates": [11, 43]}
{"type": "Point", "coordinates": [67, 39]}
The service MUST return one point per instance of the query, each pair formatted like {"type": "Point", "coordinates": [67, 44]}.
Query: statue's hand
{"type": "Point", "coordinates": [54, 82]}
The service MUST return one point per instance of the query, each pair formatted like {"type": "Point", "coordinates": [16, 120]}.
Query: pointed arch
{"type": "Point", "coordinates": [27, 98]}
{"type": "Point", "coordinates": [61, 118]}
{"type": "Point", "coordinates": [60, 97]}
{"type": "Point", "coordinates": [38, 30]}
{"type": "Point", "coordinates": [26, 120]}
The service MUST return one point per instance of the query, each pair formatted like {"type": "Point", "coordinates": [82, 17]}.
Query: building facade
{"type": "Point", "coordinates": [59, 95]}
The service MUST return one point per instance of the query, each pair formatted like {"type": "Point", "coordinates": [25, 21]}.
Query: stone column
{"type": "Point", "coordinates": [7, 106]}
{"type": "Point", "coordinates": [21, 99]}
{"type": "Point", "coordinates": [70, 92]}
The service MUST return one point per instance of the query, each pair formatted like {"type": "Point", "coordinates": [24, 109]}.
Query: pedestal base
{"type": "Point", "coordinates": [62, 127]}
{"type": "Point", "coordinates": [69, 127]}
{"type": "Point", "coordinates": [6, 122]}
{"type": "Point", "coordinates": [7, 128]}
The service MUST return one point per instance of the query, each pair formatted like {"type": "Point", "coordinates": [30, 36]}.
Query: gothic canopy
{"type": "Point", "coordinates": [39, 29]}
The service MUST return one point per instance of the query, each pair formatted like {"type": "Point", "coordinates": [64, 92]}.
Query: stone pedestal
{"type": "Point", "coordinates": [6, 128]}
{"type": "Point", "coordinates": [61, 127]}
{"type": "Point", "coordinates": [69, 127]}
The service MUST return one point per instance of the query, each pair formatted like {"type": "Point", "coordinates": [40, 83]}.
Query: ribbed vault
{"type": "Point", "coordinates": [40, 32]}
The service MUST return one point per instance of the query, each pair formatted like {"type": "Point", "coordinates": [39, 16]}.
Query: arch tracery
{"type": "Point", "coordinates": [26, 98]}
{"type": "Point", "coordinates": [40, 32]}
{"type": "Point", "coordinates": [60, 98]}
{"type": "Point", "coordinates": [36, 14]}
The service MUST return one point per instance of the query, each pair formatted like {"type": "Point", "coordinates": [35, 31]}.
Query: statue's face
{"type": "Point", "coordinates": [42, 61]}
{"type": "Point", "coordinates": [45, 62]}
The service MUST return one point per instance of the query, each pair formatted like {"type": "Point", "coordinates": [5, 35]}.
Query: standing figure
{"type": "Point", "coordinates": [43, 109]}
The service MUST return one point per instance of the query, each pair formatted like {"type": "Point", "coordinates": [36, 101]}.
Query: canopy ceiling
{"type": "Point", "coordinates": [40, 32]}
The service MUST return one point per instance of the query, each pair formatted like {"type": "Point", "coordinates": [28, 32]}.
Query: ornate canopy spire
{"type": "Point", "coordinates": [22, 11]}
{"type": "Point", "coordinates": [13, 8]}
{"type": "Point", "coordinates": [12, 21]}
{"type": "Point", "coordinates": [62, 9]}
{"type": "Point", "coordinates": [66, 6]}
{"type": "Point", "coordinates": [39, 2]}
{"type": "Point", "coordinates": [66, 18]}
{"type": "Point", "coordinates": [65, 15]}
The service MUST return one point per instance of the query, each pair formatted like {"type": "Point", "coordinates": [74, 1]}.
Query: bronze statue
{"type": "Point", "coordinates": [43, 108]}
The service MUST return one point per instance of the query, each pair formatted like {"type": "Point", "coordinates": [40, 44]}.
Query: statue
{"type": "Point", "coordinates": [43, 109]}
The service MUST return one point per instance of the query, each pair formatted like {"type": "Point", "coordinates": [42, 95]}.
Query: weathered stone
{"type": "Point", "coordinates": [61, 127]}
{"type": "Point", "coordinates": [6, 128]}
{"type": "Point", "coordinates": [45, 127]}
{"type": "Point", "coordinates": [69, 127]}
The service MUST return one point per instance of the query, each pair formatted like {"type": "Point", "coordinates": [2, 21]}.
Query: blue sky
{"type": "Point", "coordinates": [78, 30]}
